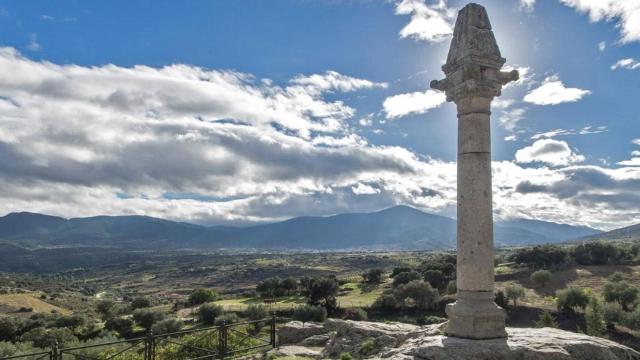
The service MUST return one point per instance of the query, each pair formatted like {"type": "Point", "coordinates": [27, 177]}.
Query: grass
{"type": "Point", "coordinates": [30, 300]}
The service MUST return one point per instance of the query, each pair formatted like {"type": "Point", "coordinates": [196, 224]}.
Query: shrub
{"type": "Point", "coordinates": [140, 303]}
{"type": "Point", "coordinates": [571, 299]}
{"type": "Point", "coordinates": [368, 346]}
{"type": "Point", "coordinates": [228, 318]}
{"type": "Point", "coordinates": [147, 317]}
{"type": "Point", "coordinates": [436, 278]}
{"type": "Point", "coordinates": [613, 313]}
{"type": "Point", "coordinates": [43, 338]}
{"type": "Point", "coordinates": [406, 277]}
{"type": "Point", "coordinates": [430, 320]}
{"type": "Point", "coordinates": [596, 325]}
{"type": "Point", "coordinates": [452, 287]}
{"type": "Point", "coordinates": [105, 308]}
{"type": "Point", "coordinates": [616, 290]}
{"type": "Point", "coordinates": [514, 292]}
{"type": "Point", "coordinates": [123, 326]}
{"type": "Point", "coordinates": [167, 326]}
{"type": "Point", "coordinates": [546, 320]}
{"type": "Point", "coordinates": [201, 296]}
{"type": "Point", "coordinates": [398, 270]}
{"type": "Point", "coordinates": [70, 321]}
{"type": "Point", "coordinates": [386, 303]}
{"type": "Point", "coordinates": [595, 253]}
{"type": "Point", "coordinates": [346, 356]}
{"type": "Point", "coordinates": [501, 299]}
{"type": "Point", "coordinates": [541, 277]}
{"type": "Point", "coordinates": [539, 257]}
{"type": "Point", "coordinates": [323, 291]}
{"type": "Point", "coordinates": [308, 313]}
{"type": "Point", "coordinates": [207, 313]}
{"type": "Point", "coordinates": [373, 276]}
{"type": "Point", "coordinates": [420, 292]}
{"type": "Point", "coordinates": [632, 320]}
{"type": "Point", "coordinates": [254, 313]}
{"type": "Point", "coordinates": [357, 314]}
{"type": "Point", "coordinates": [8, 328]}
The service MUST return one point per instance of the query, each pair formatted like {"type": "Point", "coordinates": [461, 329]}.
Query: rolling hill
{"type": "Point", "coordinates": [396, 228]}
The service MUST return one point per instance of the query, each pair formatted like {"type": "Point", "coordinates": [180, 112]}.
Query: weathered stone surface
{"type": "Point", "coordinates": [297, 351]}
{"type": "Point", "coordinates": [350, 336]}
{"type": "Point", "coordinates": [317, 340]}
{"type": "Point", "coordinates": [294, 332]}
{"type": "Point", "coordinates": [397, 341]}
{"type": "Point", "coordinates": [522, 344]}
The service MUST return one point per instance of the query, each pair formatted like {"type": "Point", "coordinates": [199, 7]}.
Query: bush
{"type": "Point", "coordinates": [147, 317]}
{"type": "Point", "coordinates": [357, 314]}
{"type": "Point", "coordinates": [617, 290]}
{"type": "Point", "coordinates": [123, 326]}
{"type": "Point", "coordinates": [436, 278]}
{"type": "Point", "coordinates": [420, 292]}
{"type": "Point", "coordinates": [633, 319]}
{"type": "Point", "coordinates": [201, 296]}
{"type": "Point", "coordinates": [105, 308]}
{"type": "Point", "coordinates": [256, 312]}
{"type": "Point", "coordinates": [346, 356]}
{"type": "Point", "coordinates": [70, 321]}
{"type": "Point", "coordinates": [167, 326]}
{"type": "Point", "coordinates": [228, 318]}
{"type": "Point", "coordinates": [140, 303]}
{"type": "Point", "coordinates": [8, 328]}
{"type": "Point", "coordinates": [571, 299]}
{"type": "Point", "coordinates": [595, 253]}
{"type": "Point", "coordinates": [514, 292]}
{"type": "Point", "coordinates": [501, 299]}
{"type": "Point", "coordinates": [541, 277]}
{"type": "Point", "coordinates": [430, 320]}
{"type": "Point", "coordinates": [546, 320]}
{"type": "Point", "coordinates": [613, 313]}
{"type": "Point", "coordinates": [43, 338]}
{"type": "Point", "coordinates": [373, 276]}
{"type": "Point", "coordinates": [207, 313]}
{"type": "Point", "coordinates": [398, 270]}
{"type": "Point", "coordinates": [540, 257]}
{"type": "Point", "coordinates": [386, 303]}
{"type": "Point", "coordinates": [452, 287]}
{"type": "Point", "coordinates": [596, 325]}
{"type": "Point", "coordinates": [308, 313]}
{"type": "Point", "coordinates": [323, 291]}
{"type": "Point", "coordinates": [406, 277]}
{"type": "Point", "coordinates": [368, 346]}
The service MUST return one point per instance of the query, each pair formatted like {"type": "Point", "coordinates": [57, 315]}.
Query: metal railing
{"type": "Point", "coordinates": [216, 342]}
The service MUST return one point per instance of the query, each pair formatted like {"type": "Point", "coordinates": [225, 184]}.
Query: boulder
{"type": "Point", "coordinates": [317, 340]}
{"type": "Point", "coordinates": [295, 351]}
{"type": "Point", "coordinates": [294, 332]}
{"type": "Point", "coordinates": [522, 344]}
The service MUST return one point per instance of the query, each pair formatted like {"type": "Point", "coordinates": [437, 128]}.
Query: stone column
{"type": "Point", "coordinates": [473, 79]}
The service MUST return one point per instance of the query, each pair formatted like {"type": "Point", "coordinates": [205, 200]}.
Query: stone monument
{"type": "Point", "coordinates": [473, 79]}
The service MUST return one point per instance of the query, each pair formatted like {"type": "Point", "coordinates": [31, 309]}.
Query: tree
{"type": "Point", "coordinates": [201, 296]}
{"type": "Point", "coordinates": [323, 292]}
{"type": "Point", "coordinates": [207, 313]}
{"type": "Point", "coordinates": [420, 292]}
{"type": "Point", "coordinates": [436, 278]}
{"type": "Point", "coordinates": [289, 286]}
{"type": "Point", "coordinates": [452, 287]}
{"type": "Point", "coordinates": [399, 269]}
{"type": "Point", "coordinates": [613, 313]}
{"type": "Point", "coordinates": [70, 321]}
{"type": "Point", "coordinates": [514, 292]}
{"type": "Point", "coordinates": [538, 257]}
{"type": "Point", "coordinates": [147, 317]}
{"type": "Point", "coordinates": [571, 299]}
{"type": "Point", "coordinates": [270, 288]}
{"type": "Point", "coordinates": [546, 320]}
{"type": "Point", "coordinates": [8, 328]}
{"type": "Point", "coordinates": [123, 326]}
{"type": "Point", "coordinates": [406, 277]}
{"type": "Point", "coordinates": [140, 302]}
{"type": "Point", "coordinates": [501, 299]}
{"type": "Point", "coordinates": [308, 313]}
{"type": "Point", "coordinates": [373, 276]}
{"type": "Point", "coordinates": [541, 277]}
{"type": "Point", "coordinates": [596, 325]}
{"type": "Point", "coordinates": [386, 303]}
{"type": "Point", "coordinates": [617, 290]}
{"type": "Point", "coordinates": [167, 326]}
{"type": "Point", "coordinates": [105, 308]}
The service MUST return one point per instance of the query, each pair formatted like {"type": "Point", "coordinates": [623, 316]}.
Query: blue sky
{"type": "Point", "coordinates": [233, 112]}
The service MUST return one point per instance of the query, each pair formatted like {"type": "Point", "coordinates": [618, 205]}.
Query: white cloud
{"type": "Point", "coordinates": [512, 137]}
{"type": "Point", "coordinates": [626, 13]}
{"type": "Point", "coordinates": [553, 92]}
{"type": "Point", "coordinates": [602, 46]}
{"type": "Point", "coordinates": [33, 44]}
{"type": "Point", "coordinates": [635, 141]}
{"type": "Point", "coordinates": [211, 146]}
{"type": "Point", "coordinates": [412, 103]}
{"type": "Point", "coordinates": [429, 22]}
{"type": "Point", "coordinates": [564, 132]}
{"type": "Point", "coordinates": [509, 118]}
{"type": "Point", "coordinates": [525, 76]}
{"type": "Point", "coordinates": [332, 80]}
{"type": "Point", "coordinates": [527, 5]}
{"type": "Point", "coordinates": [630, 64]}
{"type": "Point", "coordinates": [633, 162]}
{"type": "Point", "coordinates": [500, 103]}
{"type": "Point", "coordinates": [548, 151]}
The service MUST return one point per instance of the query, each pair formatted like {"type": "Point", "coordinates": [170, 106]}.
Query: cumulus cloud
{"type": "Point", "coordinates": [602, 46]}
{"type": "Point", "coordinates": [548, 151]}
{"type": "Point", "coordinates": [432, 22]}
{"type": "Point", "coordinates": [629, 63]}
{"type": "Point", "coordinates": [626, 14]}
{"type": "Point", "coordinates": [412, 103]}
{"type": "Point", "coordinates": [214, 146]}
{"type": "Point", "coordinates": [553, 92]}
{"type": "Point", "coordinates": [525, 74]}
{"type": "Point", "coordinates": [509, 118]}
{"type": "Point", "coordinates": [527, 5]}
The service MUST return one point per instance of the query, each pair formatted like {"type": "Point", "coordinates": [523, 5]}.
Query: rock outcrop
{"type": "Point", "coordinates": [369, 340]}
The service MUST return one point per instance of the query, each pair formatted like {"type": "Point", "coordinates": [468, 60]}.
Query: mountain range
{"type": "Point", "coordinates": [396, 228]}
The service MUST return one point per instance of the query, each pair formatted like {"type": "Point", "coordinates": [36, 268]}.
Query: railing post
{"type": "Point", "coordinates": [55, 351]}
{"type": "Point", "coordinates": [222, 339]}
{"type": "Point", "coordinates": [273, 331]}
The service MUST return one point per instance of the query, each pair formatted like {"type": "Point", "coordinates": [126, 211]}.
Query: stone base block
{"type": "Point", "coordinates": [476, 316]}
